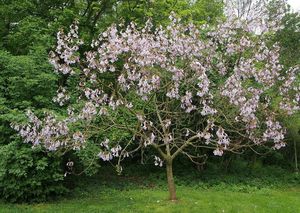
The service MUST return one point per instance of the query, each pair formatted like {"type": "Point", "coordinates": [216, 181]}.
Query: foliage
{"type": "Point", "coordinates": [28, 174]}
{"type": "Point", "coordinates": [198, 12]}
{"type": "Point", "coordinates": [289, 39]}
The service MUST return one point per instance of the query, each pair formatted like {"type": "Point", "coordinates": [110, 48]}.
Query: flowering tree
{"type": "Point", "coordinates": [218, 87]}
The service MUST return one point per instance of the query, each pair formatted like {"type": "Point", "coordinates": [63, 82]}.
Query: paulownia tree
{"type": "Point", "coordinates": [174, 90]}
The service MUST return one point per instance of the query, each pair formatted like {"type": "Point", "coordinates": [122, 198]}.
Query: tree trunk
{"type": "Point", "coordinates": [171, 184]}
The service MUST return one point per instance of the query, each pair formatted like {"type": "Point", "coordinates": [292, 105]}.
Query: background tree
{"type": "Point", "coordinates": [289, 39]}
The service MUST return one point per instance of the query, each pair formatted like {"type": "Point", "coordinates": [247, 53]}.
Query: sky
{"type": "Point", "coordinates": [295, 4]}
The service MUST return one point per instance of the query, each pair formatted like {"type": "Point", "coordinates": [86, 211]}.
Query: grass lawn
{"type": "Point", "coordinates": [154, 200]}
{"type": "Point", "coordinates": [142, 191]}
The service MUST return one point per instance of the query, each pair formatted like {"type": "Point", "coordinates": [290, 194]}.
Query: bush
{"type": "Point", "coordinates": [29, 175]}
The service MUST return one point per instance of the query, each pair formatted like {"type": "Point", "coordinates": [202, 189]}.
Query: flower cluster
{"type": "Point", "coordinates": [108, 153]}
{"type": "Point", "coordinates": [158, 161]}
{"type": "Point", "coordinates": [290, 91]}
{"type": "Point", "coordinates": [274, 132]}
{"type": "Point", "coordinates": [66, 54]}
{"type": "Point", "coordinates": [222, 137]}
{"type": "Point", "coordinates": [50, 133]}
{"type": "Point", "coordinates": [62, 97]}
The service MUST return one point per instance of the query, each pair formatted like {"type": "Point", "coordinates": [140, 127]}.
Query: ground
{"type": "Point", "coordinates": [153, 200]}
{"type": "Point", "coordinates": [138, 189]}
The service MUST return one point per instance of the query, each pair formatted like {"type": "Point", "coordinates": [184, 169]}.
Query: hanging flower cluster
{"type": "Point", "coordinates": [50, 133]}
{"type": "Point", "coordinates": [158, 161]}
{"type": "Point", "coordinates": [108, 153]}
{"type": "Point", "coordinates": [290, 91]}
{"type": "Point", "coordinates": [62, 97]}
{"type": "Point", "coordinates": [66, 54]}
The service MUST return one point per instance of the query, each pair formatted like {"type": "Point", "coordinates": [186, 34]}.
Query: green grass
{"type": "Point", "coordinates": [154, 200]}
{"type": "Point", "coordinates": [270, 190]}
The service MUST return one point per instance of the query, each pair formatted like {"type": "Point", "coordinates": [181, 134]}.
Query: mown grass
{"type": "Point", "coordinates": [275, 191]}
{"type": "Point", "coordinates": [154, 200]}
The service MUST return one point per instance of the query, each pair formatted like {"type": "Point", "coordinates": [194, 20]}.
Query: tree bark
{"type": "Point", "coordinates": [171, 184]}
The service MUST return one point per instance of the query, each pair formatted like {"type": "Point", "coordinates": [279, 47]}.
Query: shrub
{"type": "Point", "coordinates": [29, 175]}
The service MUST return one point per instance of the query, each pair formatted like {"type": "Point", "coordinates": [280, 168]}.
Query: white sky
{"type": "Point", "coordinates": [295, 4]}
